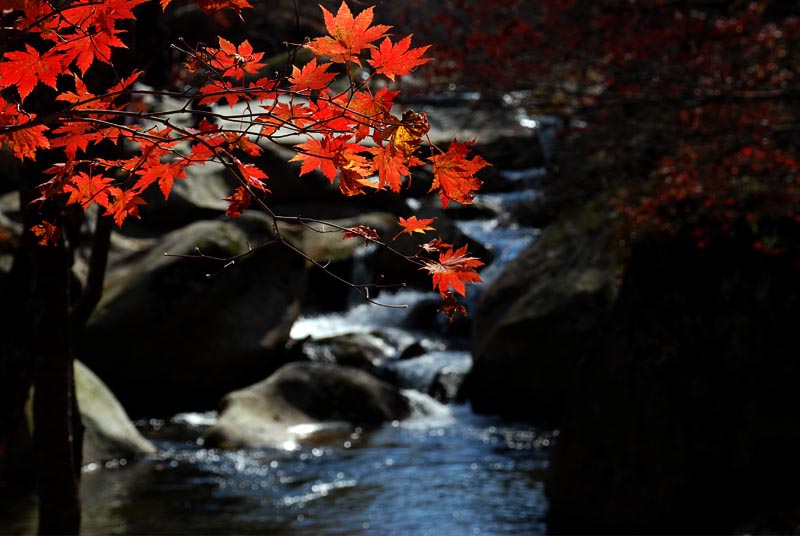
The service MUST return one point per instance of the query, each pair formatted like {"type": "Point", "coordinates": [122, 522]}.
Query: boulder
{"type": "Point", "coordinates": [180, 339]}
{"type": "Point", "coordinates": [275, 411]}
{"type": "Point", "coordinates": [538, 318]}
{"type": "Point", "coordinates": [685, 419]}
{"type": "Point", "coordinates": [366, 350]}
{"type": "Point", "coordinates": [447, 383]}
{"type": "Point", "coordinates": [108, 432]}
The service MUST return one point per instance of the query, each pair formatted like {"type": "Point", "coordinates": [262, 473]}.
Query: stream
{"type": "Point", "coordinates": [445, 471]}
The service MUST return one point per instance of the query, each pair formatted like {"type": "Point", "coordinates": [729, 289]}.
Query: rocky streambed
{"type": "Point", "coordinates": [335, 415]}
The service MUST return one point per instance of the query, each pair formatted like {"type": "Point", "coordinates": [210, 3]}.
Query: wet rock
{"type": "Point", "coordinates": [271, 413]}
{"type": "Point", "coordinates": [364, 350]}
{"type": "Point", "coordinates": [187, 337]}
{"type": "Point", "coordinates": [446, 384]}
{"type": "Point", "coordinates": [538, 318]}
{"type": "Point", "coordinates": [436, 372]}
{"type": "Point", "coordinates": [109, 434]}
{"type": "Point", "coordinates": [359, 350]}
{"type": "Point", "coordinates": [685, 416]}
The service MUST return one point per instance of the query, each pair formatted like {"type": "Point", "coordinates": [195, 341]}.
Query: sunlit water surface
{"type": "Point", "coordinates": [448, 472]}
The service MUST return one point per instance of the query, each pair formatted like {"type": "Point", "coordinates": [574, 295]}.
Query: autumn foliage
{"type": "Point", "coordinates": [346, 124]}
{"type": "Point", "coordinates": [683, 113]}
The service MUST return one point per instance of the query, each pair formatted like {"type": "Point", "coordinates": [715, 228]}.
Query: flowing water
{"type": "Point", "coordinates": [445, 471]}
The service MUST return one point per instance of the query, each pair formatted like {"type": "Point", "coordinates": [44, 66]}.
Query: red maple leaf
{"type": "Point", "coordinates": [26, 69]}
{"type": "Point", "coordinates": [436, 245]}
{"type": "Point", "coordinates": [453, 270]}
{"type": "Point", "coordinates": [363, 231]}
{"type": "Point", "coordinates": [24, 143]}
{"type": "Point", "coordinates": [230, 60]}
{"type": "Point", "coordinates": [47, 233]}
{"type": "Point", "coordinates": [237, 140]}
{"type": "Point", "coordinates": [311, 77]}
{"type": "Point", "coordinates": [163, 173]}
{"type": "Point", "coordinates": [348, 36]}
{"type": "Point", "coordinates": [396, 60]}
{"type": "Point", "coordinates": [85, 189]}
{"type": "Point", "coordinates": [451, 306]}
{"type": "Point", "coordinates": [252, 175]}
{"type": "Point", "coordinates": [79, 96]}
{"type": "Point", "coordinates": [124, 203]}
{"type": "Point", "coordinates": [238, 202]}
{"type": "Point", "coordinates": [391, 165]}
{"type": "Point", "coordinates": [319, 153]}
{"type": "Point", "coordinates": [367, 111]}
{"type": "Point", "coordinates": [209, 7]}
{"type": "Point", "coordinates": [454, 174]}
{"type": "Point", "coordinates": [354, 170]}
{"type": "Point", "coordinates": [413, 225]}
{"type": "Point", "coordinates": [94, 45]}
{"type": "Point", "coordinates": [72, 136]}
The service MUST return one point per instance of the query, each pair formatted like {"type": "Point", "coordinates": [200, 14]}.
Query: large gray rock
{"type": "Point", "coordinates": [538, 318]}
{"type": "Point", "coordinates": [180, 339]}
{"type": "Point", "coordinates": [269, 413]}
{"type": "Point", "coordinates": [686, 417]}
{"type": "Point", "coordinates": [109, 434]}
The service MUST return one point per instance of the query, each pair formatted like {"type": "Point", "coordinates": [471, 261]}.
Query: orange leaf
{"type": "Point", "coordinates": [238, 202]}
{"type": "Point", "coordinates": [209, 7]}
{"type": "Point", "coordinates": [164, 173]}
{"type": "Point", "coordinates": [252, 175]}
{"type": "Point", "coordinates": [47, 233]}
{"type": "Point", "coordinates": [451, 306]}
{"type": "Point", "coordinates": [311, 77]}
{"type": "Point", "coordinates": [354, 170]}
{"type": "Point", "coordinates": [391, 166]}
{"type": "Point", "coordinates": [320, 154]}
{"type": "Point", "coordinates": [86, 189]}
{"type": "Point", "coordinates": [453, 270]}
{"type": "Point", "coordinates": [125, 203]}
{"type": "Point", "coordinates": [363, 231]}
{"type": "Point", "coordinates": [407, 136]}
{"type": "Point", "coordinates": [413, 225]}
{"type": "Point", "coordinates": [24, 143]}
{"type": "Point", "coordinates": [348, 36]}
{"type": "Point", "coordinates": [234, 61]}
{"type": "Point", "coordinates": [396, 60]}
{"type": "Point", "coordinates": [454, 174]}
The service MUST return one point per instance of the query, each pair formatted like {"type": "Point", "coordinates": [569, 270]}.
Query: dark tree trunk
{"type": "Point", "coordinates": [46, 301]}
{"type": "Point", "coordinates": [54, 448]}
{"type": "Point", "coordinates": [16, 378]}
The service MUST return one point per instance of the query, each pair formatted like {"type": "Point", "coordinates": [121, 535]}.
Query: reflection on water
{"type": "Point", "coordinates": [448, 472]}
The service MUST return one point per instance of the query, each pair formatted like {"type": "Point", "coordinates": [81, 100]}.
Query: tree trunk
{"type": "Point", "coordinates": [54, 442]}
{"type": "Point", "coordinates": [16, 378]}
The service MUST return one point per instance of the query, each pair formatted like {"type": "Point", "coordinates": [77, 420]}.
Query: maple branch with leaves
{"type": "Point", "coordinates": [350, 135]}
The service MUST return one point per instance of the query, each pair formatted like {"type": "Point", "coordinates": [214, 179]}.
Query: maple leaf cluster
{"type": "Point", "coordinates": [351, 135]}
